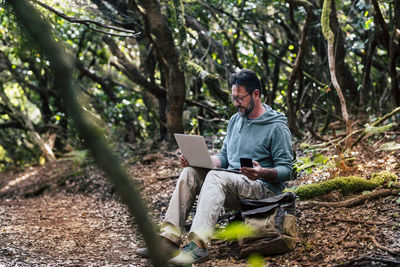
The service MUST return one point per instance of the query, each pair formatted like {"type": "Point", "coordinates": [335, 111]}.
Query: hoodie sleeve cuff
{"type": "Point", "coordinates": [223, 160]}
{"type": "Point", "coordinates": [283, 173]}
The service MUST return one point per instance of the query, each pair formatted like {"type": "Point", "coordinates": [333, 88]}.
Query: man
{"type": "Point", "coordinates": [255, 131]}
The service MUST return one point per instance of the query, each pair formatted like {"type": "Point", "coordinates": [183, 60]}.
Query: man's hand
{"type": "Point", "coordinates": [183, 161]}
{"type": "Point", "coordinates": [267, 174]}
{"type": "Point", "coordinates": [252, 173]}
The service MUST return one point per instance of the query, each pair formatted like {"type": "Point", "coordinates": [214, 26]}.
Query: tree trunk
{"type": "Point", "coordinates": [294, 75]}
{"type": "Point", "coordinates": [394, 54]}
{"type": "Point", "coordinates": [170, 62]}
{"type": "Point", "coordinates": [367, 85]}
{"type": "Point", "coordinates": [391, 46]}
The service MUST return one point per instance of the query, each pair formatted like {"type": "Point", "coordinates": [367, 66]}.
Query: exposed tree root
{"type": "Point", "coordinates": [357, 221]}
{"type": "Point", "coordinates": [359, 199]}
{"type": "Point", "coordinates": [391, 251]}
{"type": "Point", "coordinates": [370, 260]}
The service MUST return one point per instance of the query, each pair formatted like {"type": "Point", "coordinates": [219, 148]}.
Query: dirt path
{"type": "Point", "coordinates": [59, 215]}
{"type": "Point", "coordinates": [65, 230]}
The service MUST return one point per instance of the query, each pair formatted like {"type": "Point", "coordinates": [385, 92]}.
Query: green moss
{"type": "Point", "coordinates": [326, 29]}
{"type": "Point", "coordinates": [384, 176]}
{"type": "Point", "coordinates": [346, 185]}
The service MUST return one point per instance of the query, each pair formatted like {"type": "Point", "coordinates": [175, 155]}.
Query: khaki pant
{"type": "Point", "coordinates": [216, 189]}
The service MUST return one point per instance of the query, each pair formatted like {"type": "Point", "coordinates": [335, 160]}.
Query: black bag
{"type": "Point", "coordinates": [274, 222]}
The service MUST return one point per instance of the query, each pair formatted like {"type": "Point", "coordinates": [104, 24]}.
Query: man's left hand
{"type": "Point", "coordinates": [252, 173]}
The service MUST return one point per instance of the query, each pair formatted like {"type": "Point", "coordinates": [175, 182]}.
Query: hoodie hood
{"type": "Point", "coordinates": [268, 117]}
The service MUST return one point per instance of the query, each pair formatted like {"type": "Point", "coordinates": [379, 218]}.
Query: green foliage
{"type": "Point", "coordinates": [346, 185]}
{"type": "Point", "coordinates": [256, 260]}
{"type": "Point", "coordinates": [383, 176]}
{"type": "Point", "coordinates": [235, 231]}
{"type": "Point", "coordinates": [258, 35]}
{"type": "Point", "coordinates": [4, 159]}
{"type": "Point", "coordinates": [313, 162]}
{"type": "Point", "coordinates": [78, 156]}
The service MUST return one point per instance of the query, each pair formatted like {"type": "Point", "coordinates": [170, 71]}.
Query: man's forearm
{"type": "Point", "coordinates": [268, 174]}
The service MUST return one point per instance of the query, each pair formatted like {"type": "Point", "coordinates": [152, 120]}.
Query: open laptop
{"type": "Point", "coordinates": [194, 149]}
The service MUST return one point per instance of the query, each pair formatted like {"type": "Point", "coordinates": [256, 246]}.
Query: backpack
{"type": "Point", "coordinates": [274, 222]}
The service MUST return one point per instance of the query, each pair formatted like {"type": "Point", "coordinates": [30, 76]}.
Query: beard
{"type": "Point", "coordinates": [247, 110]}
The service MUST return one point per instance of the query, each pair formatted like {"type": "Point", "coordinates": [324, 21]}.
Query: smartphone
{"type": "Point", "coordinates": [246, 162]}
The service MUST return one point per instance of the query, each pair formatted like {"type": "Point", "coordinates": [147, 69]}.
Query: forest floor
{"type": "Point", "coordinates": [67, 214]}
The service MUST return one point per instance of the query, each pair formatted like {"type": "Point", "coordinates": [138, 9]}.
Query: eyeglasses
{"type": "Point", "coordinates": [240, 99]}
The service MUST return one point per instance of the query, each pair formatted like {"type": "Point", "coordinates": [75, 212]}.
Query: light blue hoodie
{"type": "Point", "coordinates": [266, 139]}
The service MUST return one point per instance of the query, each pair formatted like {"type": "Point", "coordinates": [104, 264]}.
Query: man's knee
{"type": "Point", "coordinates": [216, 177]}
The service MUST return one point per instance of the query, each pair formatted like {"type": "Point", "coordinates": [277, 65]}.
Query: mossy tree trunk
{"type": "Point", "coordinates": [175, 85]}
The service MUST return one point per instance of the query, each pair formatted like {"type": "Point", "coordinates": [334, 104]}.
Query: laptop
{"type": "Point", "coordinates": [194, 149]}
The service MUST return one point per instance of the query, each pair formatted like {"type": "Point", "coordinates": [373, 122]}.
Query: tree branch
{"type": "Point", "coordinates": [381, 21]}
{"type": "Point", "coordinates": [376, 123]}
{"type": "Point", "coordinates": [107, 88]}
{"type": "Point", "coordinates": [62, 66]}
{"type": "Point", "coordinates": [88, 22]}
{"type": "Point", "coordinates": [12, 124]}
{"type": "Point", "coordinates": [131, 71]}
{"type": "Point", "coordinates": [201, 105]}
{"type": "Point", "coordinates": [330, 37]}
{"type": "Point", "coordinates": [209, 79]}
{"type": "Point", "coordinates": [25, 120]}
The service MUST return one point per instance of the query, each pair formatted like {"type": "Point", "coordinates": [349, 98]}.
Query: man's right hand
{"type": "Point", "coordinates": [183, 161]}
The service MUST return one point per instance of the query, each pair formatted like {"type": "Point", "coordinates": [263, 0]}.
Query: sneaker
{"type": "Point", "coordinates": [190, 254]}
{"type": "Point", "coordinates": [168, 246]}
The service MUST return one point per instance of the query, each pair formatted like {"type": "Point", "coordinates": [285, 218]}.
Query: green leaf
{"type": "Point", "coordinates": [256, 260]}
{"type": "Point", "coordinates": [235, 231]}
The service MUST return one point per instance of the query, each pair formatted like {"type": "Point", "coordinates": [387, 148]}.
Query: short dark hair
{"type": "Point", "coordinates": [246, 78]}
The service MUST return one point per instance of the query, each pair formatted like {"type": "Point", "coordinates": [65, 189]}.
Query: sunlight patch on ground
{"type": "Point", "coordinates": [18, 180]}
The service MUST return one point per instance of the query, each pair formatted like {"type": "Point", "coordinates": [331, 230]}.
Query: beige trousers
{"type": "Point", "coordinates": [216, 189]}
